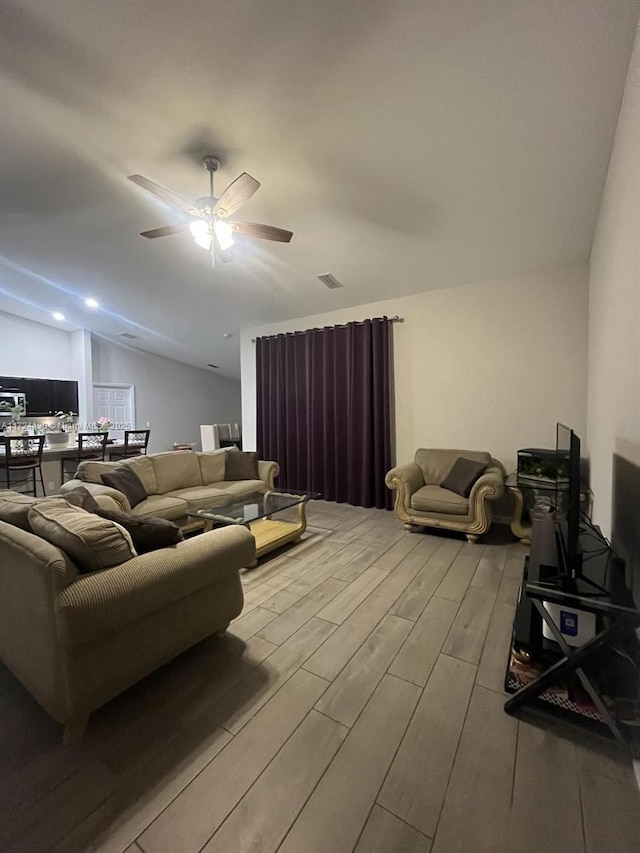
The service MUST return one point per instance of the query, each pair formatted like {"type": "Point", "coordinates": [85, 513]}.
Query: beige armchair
{"type": "Point", "coordinates": [421, 500]}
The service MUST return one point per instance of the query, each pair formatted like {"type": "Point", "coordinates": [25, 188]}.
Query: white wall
{"type": "Point", "coordinates": [491, 365]}
{"type": "Point", "coordinates": [34, 350]}
{"type": "Point", "coordinates": [176, 398]}
{"type": "Point", "coordinates": [614, 307]}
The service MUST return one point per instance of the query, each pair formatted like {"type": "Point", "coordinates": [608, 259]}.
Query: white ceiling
{"type": "Point", "coordinates": [410, 145]}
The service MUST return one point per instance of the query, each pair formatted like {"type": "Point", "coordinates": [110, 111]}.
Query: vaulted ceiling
{"type": "Point", "coordinates": [409, 146]}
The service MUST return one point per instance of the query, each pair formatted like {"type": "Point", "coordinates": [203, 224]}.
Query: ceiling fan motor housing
{"type": "Point", "coordinates": [211, 163]}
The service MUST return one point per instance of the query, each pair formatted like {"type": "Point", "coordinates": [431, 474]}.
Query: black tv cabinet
{"type": "Point", "coordinates": [576, 683]}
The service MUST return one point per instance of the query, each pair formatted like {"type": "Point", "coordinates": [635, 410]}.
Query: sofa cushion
{"type": "Point", "coordinates": [437, 499]}
{"type": "Point", "coordinates": [91, 472]}
{"type": "Point", "coordinates": [241, 466]}
{"type": "Point", "coordinates": [241, 488]}
{"type": "Point", "coordinates": [143, 466]}
{"type": "Point", "coordinates": [92, 543]}
{"type": "Point", "coordinates": [126, 480]}
{"type": "Point", "coordinates": [148, 533]}
{"type": "Point", "coordinates": [162, 506]}
{"type": "Point", "coordinates": [14, 508]}
{"type": "Point", "coordinates": [212, 464]}
{"type": "Point", "coordinates": [436, 464]}
{"type": "Point", "coordinates": [177, 469]}
{"type": "Point", "coordinates": [201, 497]}
{"type": "Point", "coordinates": [463, 475]}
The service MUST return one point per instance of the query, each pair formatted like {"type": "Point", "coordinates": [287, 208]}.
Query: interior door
{"type": "Point", "coordinates": [116, 403]}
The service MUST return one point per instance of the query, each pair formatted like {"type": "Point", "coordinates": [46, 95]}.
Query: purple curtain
{"type": "Point", "coordinates": [324, 410]}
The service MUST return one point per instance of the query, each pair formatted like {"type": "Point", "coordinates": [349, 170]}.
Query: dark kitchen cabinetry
{"type": "Point", "coordinates": [65, 395]}
{"type": "Point", "coordinates": [44, 396]}
{"type": "Point", "coordinates": [9, 383]}
{"type": "Point", "coordinates": [39, 394]}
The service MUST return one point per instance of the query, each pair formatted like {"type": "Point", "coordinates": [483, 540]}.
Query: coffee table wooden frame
{"type": "Point", "coordinates": [270, 533]}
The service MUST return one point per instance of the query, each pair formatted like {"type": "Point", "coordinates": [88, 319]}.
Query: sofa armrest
{"type": "Point", "coordinates": [490, 486]}
{"type": "Point", "coordinates": [407, 479]}
{"type": "Point", "coordinates": [95, 489]}
{"type": "Point", "coordinates": [102, 601]}
{"type": "Point", "coordinates": [267, 472]}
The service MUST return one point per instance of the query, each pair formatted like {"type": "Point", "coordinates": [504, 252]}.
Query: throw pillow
{"type": "Point", "coordinates": [241, 465]}
{"type": "Point", "coordinates": [147, 533]}
{"type": "Point", "coordinates": [83, 498]}
{"type": "Point", "coordinates": [126, 481]}
{"type": "Point", "coordinates": [462, 476]}
{"type": "Point", "coordinates": [92, 543]}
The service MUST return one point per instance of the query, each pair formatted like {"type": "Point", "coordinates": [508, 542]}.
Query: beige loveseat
{"type": "Point", "coordinates": [176, 482]}
{"type": "Point", "coordinates": [77, 640]}
{"type": "Point", "coordinates": [421, 500]}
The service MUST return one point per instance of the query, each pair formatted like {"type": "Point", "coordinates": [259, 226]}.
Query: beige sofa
{"type": "Point", "coordinates": [420, 499]}
{"type": "Point", "coordinates": [77, 640]}
{"type": "Point", "coordinates": [176, 482]}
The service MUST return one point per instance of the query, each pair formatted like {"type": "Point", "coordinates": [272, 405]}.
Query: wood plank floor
{"type": "Point", "coordinates": [355, 706]}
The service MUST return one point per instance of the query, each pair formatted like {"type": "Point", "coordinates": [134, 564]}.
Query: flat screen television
{"type": "Point", "coordinates": [568, 500]}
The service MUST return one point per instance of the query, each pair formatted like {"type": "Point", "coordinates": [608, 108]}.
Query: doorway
{"type": "Point", "coordinates": [116, 402]}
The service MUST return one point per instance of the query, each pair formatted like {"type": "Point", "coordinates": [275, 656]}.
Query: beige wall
{"type": "Point", "coordinates": [614, 308]}
{"type": "Point", "coordinates": [491, 365]}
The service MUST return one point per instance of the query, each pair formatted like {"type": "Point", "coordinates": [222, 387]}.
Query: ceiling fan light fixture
{"type": "Point", "coordinates": [201, 233]}
{"type": "Point", "coordinates": [224, 234]}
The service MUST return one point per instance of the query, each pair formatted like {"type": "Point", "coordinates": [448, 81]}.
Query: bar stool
{"type": "Point", "coordinates": [136, 442]}
{"type": "Point", "coordinates": [91, 447]}
{"type": "Point", "coordinates": [23, 453]}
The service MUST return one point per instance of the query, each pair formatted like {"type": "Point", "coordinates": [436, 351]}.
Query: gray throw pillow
{"type": "Point", "coordinates": [463, 475]}
{"type": "Point", "coordinates": [241, 465]}
{"type": "Point", "coordinates": [126, 481]}
{"type": "Point", "coordinates": [83, 498]}
{"type": "Point", "coordinates": [147, 532]}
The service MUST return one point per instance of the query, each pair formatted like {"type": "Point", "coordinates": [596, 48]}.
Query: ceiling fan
{"type": "Point", "coordinates": [210, 225]}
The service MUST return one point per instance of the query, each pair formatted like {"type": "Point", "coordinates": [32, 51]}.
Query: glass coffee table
{"type": "Point", "coordinates": [274, 517]}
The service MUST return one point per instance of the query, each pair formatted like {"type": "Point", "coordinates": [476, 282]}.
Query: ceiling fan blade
{"type": "Point", "coordinates": [165, 195]}
{"type": "Point", "coordinates": [262, 232]}
{"type": "Point", "coordinates": [236, 194]}
{"type": "Point", "coordinates": [166, 231]}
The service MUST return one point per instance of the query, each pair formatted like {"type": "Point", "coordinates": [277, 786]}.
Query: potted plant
{"type": "Point", "coordinates": [58, 434]}
{"type": "Point", "coordinates": [67, 419]}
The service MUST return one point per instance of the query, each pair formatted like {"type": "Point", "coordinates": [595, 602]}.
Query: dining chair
{"type": "Point", "coordinates": [23, 454]}
{"type": "Point", "coordinates": [136, 442]}
{"type": "Point", "coordinates": [91, 447]}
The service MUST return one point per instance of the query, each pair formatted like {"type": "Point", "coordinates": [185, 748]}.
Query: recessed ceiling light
{"type": "Point", "coordinates": [227, 335]}
{"type": "Point", "coordinates": [91, 303]}
{"type": "Point", "coordinates": [58, 315]}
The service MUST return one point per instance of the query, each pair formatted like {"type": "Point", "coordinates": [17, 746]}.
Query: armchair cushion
{"type": "Point", "coordinates": [439, 499]}
{"type": "Point", "coordinates": [435, 464]}
{"type": "Point", "coordinates": [463, 475]}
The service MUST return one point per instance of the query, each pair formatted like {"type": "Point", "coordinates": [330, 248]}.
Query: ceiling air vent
{"type": "Point", "coordinates": [128, 336]}
{"type": "Point", "coordinates": [329, 281]}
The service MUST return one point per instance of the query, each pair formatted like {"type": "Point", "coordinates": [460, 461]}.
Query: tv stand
{"type": "Point", "coordinates": [581, 682]}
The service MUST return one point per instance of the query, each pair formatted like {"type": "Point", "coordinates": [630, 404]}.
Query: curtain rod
{"type": "Point", "coordinates": [394, 319]}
